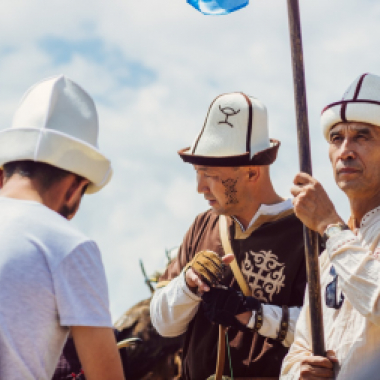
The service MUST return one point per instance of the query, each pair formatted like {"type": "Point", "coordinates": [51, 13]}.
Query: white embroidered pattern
{"type": "Point", "coordinates": [264, 274]}
{"type": "Point", "coordinates": [375, 254]}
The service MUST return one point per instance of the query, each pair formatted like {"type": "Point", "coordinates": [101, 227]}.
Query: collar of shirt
{"type": "Point", "coordinates": [369, 225]}
{"type": "Point", "coordinates": [275, 209]}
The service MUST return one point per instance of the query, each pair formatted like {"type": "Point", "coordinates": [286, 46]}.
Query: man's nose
{"type": "Point", "coordinates": [201, 184]}
{"type": "Point", "coordinates": [347, 150]}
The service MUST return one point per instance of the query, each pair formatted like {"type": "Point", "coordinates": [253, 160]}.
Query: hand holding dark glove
{"type": "Point", "coordinates": [222, 304]}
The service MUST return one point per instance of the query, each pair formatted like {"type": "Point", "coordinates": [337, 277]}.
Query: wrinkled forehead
{"type": "Point", "coordinates": [353, 126]}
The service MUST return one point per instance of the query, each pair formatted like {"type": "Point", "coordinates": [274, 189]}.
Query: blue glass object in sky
{"type": "Point", "coordinates": [217, 7]}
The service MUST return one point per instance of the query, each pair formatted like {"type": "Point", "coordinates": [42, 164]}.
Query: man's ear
{"type": "Point", "coordinates": [76, 190]}
{"type": "Point", "coordinates": [253, 173]}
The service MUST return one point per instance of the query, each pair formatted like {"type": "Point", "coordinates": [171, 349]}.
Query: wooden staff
{"type": "Point", "coordinates": [310, 237]}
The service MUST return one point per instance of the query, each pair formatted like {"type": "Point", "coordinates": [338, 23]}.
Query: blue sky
{"type": "Point", "coordinates": [153, 68]}
{"type": "Point", "coordinates": [127, 72]}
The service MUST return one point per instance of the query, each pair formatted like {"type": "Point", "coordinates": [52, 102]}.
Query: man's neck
{"type": "Point", "coordinates": [18, 187]}
{"type": "Point", "coordinates": [248, 214]}
{"type": "Point", "coordinates": [360, 207]}
{"type": "Point", "coordinates": [21, 188]}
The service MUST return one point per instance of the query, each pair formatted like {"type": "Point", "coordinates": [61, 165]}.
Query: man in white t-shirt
{"type": "Point", "coordinates": [52, 279]}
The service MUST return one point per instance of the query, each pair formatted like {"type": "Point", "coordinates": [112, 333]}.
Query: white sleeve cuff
{"type": "Point", "coordinates": [339, 240]}
{"type": "Point", "coordinates": [185, 289]}
{"type": "Point", "coordinates": [272, 316]}
{"type": "Point", "coordinates": [173, 307]}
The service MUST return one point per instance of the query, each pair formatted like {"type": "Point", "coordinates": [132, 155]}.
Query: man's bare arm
{"type": "Point", "coordinates": [98, 353]}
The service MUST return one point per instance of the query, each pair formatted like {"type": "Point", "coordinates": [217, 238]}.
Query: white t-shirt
{"type": "Point", "coordinates": [51, 277]}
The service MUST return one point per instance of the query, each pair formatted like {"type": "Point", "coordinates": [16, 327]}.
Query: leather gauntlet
{"type": "Point", "coordinates": [222, 304]}
{"type": "Point", "coordinates": [209, 267]}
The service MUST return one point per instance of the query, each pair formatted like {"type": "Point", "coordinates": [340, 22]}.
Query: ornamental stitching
{"type": "Point", "coordinates": [369, 214]}
{"type": "Point", "coordinates": [264, 274]}
{"type": "Point", "coordinates": [375, 254]}
{"type": "Point", "coordinates": [227, 112]}
{"type": "Point", "coordinates": [343, 243]}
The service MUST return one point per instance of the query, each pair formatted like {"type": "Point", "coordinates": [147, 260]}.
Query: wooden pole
{"type": "Point", "coordinates": [310, 237]}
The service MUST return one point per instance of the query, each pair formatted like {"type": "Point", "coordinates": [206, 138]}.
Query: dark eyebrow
{"type": "Point", "coordinates": [335, 133]}
{"type": "Point", "coordinates": [363, 130]}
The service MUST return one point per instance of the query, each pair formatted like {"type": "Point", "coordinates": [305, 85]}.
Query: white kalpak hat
{"type": "Point", "coordinates": [235, 133]}
{"type": "Point", "coordinates": [57, 123]}
{"type": "Point", "coordinates": [361, 103]}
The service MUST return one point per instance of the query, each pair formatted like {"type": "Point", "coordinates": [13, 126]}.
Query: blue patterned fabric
{"type": "Point", "coordinates": [332, 290]}
{"type": "Point", "coordinates": [217, 7]}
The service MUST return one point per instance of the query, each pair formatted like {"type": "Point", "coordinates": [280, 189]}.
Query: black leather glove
{"type": "Point", "coordinates": [221, 304]}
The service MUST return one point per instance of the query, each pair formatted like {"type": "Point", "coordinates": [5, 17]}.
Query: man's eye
{"type": "Point", "coordinates": [335, 138]}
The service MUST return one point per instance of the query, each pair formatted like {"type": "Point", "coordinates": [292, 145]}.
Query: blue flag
{"type": "Point", "coordinates": [217, 7]}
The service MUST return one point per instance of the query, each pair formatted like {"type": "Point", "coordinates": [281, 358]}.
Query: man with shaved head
{"type": "Point", "coordinates": [231, 157]}
{"type": "Point", "coordinates": [350, 265]}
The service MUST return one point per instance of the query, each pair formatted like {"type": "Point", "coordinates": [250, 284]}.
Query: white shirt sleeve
{"type": "Point", "coordinates": [301, 346]}
{"type": "Point", "coordinates": [271, 322]}
{"type": "Point", "coordinates": [173, 307]}
{"type": "Point", "coordinates": [81, 288]}
{"type": "Point", "coordinates": [358, 270]}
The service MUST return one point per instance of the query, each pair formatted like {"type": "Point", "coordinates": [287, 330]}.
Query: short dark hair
{"type": "Point", "coordinates": [46, 174]}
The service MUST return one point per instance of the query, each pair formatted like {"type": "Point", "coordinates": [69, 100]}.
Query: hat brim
{"type": "Point", "coordinates": [358, 110]}
{"type": "Point", "coordinates": [262, 158]}
{"type": "Point", "coordinates": [57, 149]}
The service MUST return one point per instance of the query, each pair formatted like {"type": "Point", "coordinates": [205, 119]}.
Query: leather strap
{"type": "Point", "coordinates": [258, 319]}
{"type": "Point", "coordinates": [284, 324]}
{"type": "Point", "coordinates": [223, 232]}
{"type": "Point", "coordinates": [221, 353]}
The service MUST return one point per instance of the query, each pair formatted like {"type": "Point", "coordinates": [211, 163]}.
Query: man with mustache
{"type": "Point", "coordinates": [350, 265]}
{"type": "Point", "coordinates": [231, 158]}
{"type": "Point", "coordinates": [52, 280]}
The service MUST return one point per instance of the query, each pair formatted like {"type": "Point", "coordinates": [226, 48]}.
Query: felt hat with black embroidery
{"type": "Point", "coordinates": [235, 133]}
{"type": "Point", "coordinates": [57, 123]}
{"type": "Point", "coordinates": [360, 103]}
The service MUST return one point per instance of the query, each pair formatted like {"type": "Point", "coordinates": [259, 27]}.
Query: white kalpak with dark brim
{"type": "Point", "coordinates": [235, 133]}
{"type": "Point", "coordinates": [360, 103]}
{"type": "Point", "coordinates": [57, 123]}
